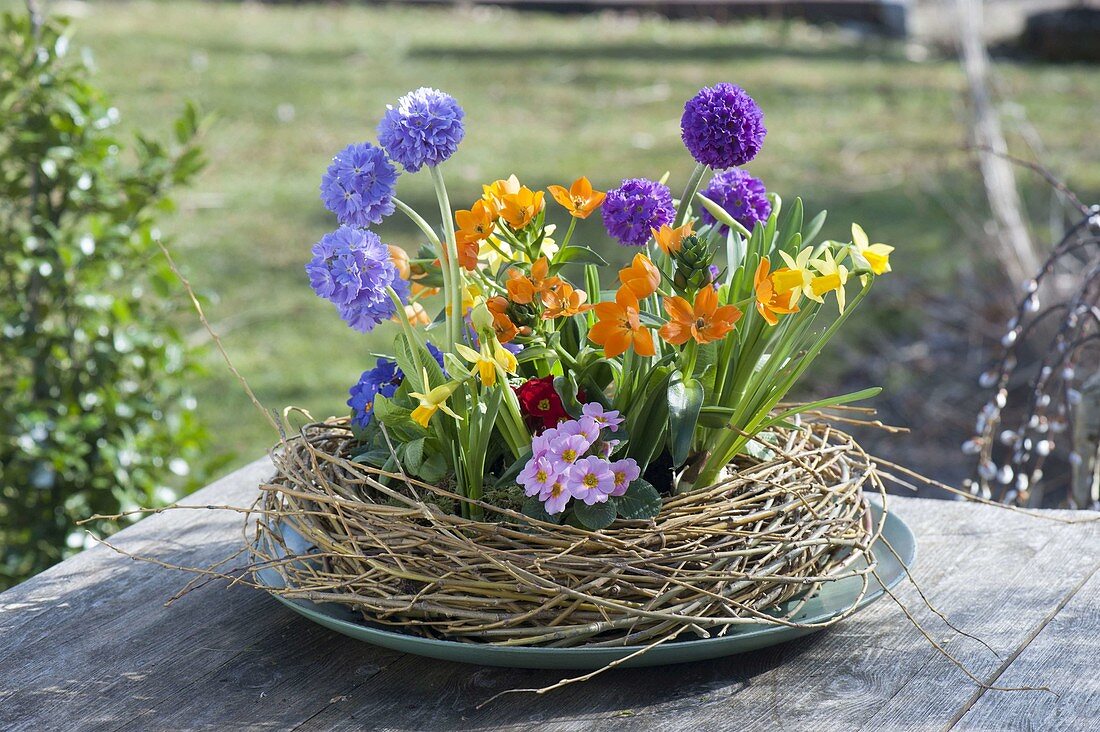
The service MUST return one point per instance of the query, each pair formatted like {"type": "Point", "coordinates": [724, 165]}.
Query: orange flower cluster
{"type": "Point", "coordinates": [503, 326]}
{"type": "Point", "coordinates": [619, 326]}
{"type": "Point", "coordinates": [474, 226]}
{"type": "Point", "coordinates": [704, 321]}
{"type": "Point", "coordinates": [559, 299]}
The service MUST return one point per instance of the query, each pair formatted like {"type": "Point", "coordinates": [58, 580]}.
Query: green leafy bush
{"type": "Point", "coordinates": [94, 415]}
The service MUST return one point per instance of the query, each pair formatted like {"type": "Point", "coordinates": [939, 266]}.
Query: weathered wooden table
{"type": "Point", "coordinates": [89, 645]}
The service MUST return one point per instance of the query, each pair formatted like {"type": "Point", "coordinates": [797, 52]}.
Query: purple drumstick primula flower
{"type": "Point", "coordinates": [743, 197]}
{"type": "Point", "coordinates": [383, 379]}
{"type": "Point", "coordinates": [635, 207]}
{"type": "Point", "coordinates": [359, 184]}
{"type": "Point", "coordinates": [722, 126]}
{"type": "Point", "coordinates": [352, 269]}
{"type": "Point", "coordinates": [423, 129]}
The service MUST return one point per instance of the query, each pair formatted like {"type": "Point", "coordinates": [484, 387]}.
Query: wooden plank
{"type": "Point", "coordinates": [1020, 575]}
{"type": "Point", "coordinates": [90, 638]}
{"type": "Point", "coordinates": [836, 678]}
{"type": "Point", "coordinates": [1064, 656]}
{"type": "Point", "coordinates": [89, 645]}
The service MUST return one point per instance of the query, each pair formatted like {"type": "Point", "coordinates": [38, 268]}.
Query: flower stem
{"type": "Point", "coordinates": [687, 358]}
{"type": "Point", "coordinates": [411, 338]}
{"type": "Point", "coordinates": [689, 193]}
{"type": "Point", "coordinates": [457, 284]}
{"type": "Point", "coordinates": [569, 232]}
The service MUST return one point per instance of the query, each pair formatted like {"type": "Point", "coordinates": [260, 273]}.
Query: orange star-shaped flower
{"type": "Point", "coordinates": [476, 224]}
{"type": "Point", "coordinates": [523, 289]}
{"type": "Point", "coordinates": [521, 208]}
{"type": "Point", "coordinates": [503, 326]}
{"type": "Point", "coordinates": [705, 322]}
{"type": "Point", "coordinates": [580, 200]}
{"type": "Point", "coordinates": [620, 327]}
{"type": "Point", "coordinates": [769, 303]}
{"type": "Point", "coordinates": [669, 239]}
{"type": "Point", "coordinates": [641, 277]}
{"type": "Point", "coordinates": [564, 301]}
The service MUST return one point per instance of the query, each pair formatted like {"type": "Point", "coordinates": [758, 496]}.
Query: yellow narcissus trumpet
{"type": "Point", "coordinates": [877, 255]}
{"type": "Point", "coordinates": [435, 400]}
{"type": "Point", "coordinates": [796, 276]}
{"type": "Point", "coordinates": [492, 355]}
{"type": "Point", "coordinates": [831, 275]}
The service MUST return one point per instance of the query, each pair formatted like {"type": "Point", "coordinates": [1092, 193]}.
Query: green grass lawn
{"type": "Point", "coordinates": [854, 127]}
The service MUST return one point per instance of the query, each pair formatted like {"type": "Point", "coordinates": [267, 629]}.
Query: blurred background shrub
{"type": "Point", "coordinates": [94, 413]}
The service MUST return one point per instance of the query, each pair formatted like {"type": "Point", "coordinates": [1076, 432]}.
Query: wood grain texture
{"type": "Point", "coordinates": [89, 645]}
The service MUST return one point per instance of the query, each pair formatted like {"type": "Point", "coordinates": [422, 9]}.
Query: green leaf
{"type": "Point", "coordinates": [758, 446]}
{"type": "Point", "coordinates": [374, 458]}
{"type": "Point", "coordinates": [814, 228]}
{"type": "Point", "coordinates": [566, 387]}
{"type": "Point", "coordinates": [403, 354]}
{"type": "Point", "coordinates": [722, 215]}
{"type": "Point", "coordinates": [533, 508]}
{"type": "Point", "coordinates": [398, 420]}
{"type": "Point", "coordinates": [433, 468]}
{"type": "Point", "coordinates": [576, 254]}
{"type": "Point", "coordinates": [595, 517]}
{"type": "Point", "coordinates": [685, 400]}
{"type": "Point", "coordinates": [854, 396]}
{"type": "Point", "coordinates": [413, 456]}
{"type": "Point", "coordinates": [641, 501]}
{"type": "Point", "coordinates": [651, 320]}
{"type": "Point", "coordinates": [533, 353]}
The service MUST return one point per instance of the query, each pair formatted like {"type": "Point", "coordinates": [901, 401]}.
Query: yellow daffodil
{"type": "Point", "coordinates": [435, 400]}
{"type": "Point", "coordinates": [831, 275]}
{"type": "Point", "coordinates": [876, 255]}
{"type": "Point", "coordinates": [796, 277]}
{"type": "Point", "coordinates": [492, 355]}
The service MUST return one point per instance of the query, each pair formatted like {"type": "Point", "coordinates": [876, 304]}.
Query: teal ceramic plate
{"type": "Point", "coordinates": [832, 600]}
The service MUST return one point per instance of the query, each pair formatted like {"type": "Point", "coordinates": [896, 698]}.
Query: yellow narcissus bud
{"type": "Point", "coordinates": [481, 318]}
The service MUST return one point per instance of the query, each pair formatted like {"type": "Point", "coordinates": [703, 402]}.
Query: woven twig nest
{"type": "Point", "coordinates": [749, 549]}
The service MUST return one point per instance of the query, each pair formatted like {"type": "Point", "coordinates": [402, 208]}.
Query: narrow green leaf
{"type": "Point", "coordinates": [814, 228]}
{"type": "Point", "coordinates": [576, 255]}
{"type": "Point", "coordinates": [509, 476]}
